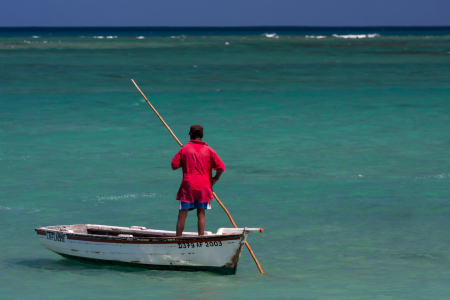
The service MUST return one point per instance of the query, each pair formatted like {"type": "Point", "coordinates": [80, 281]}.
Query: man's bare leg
{"type": "Point", "coordinates": [201, 221]}
{"type": "Point", "coordinates": [182, 214]}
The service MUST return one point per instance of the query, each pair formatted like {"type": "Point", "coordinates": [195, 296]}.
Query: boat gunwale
{"type": "Point", "coordinates": [162, 240]}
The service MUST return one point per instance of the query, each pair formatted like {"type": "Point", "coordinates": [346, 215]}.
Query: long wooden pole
{"type": "Point", "coordinates": [215, 196]}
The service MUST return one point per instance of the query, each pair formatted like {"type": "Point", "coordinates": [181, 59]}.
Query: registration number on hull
{"type": "Point", "coordinates": [56, 236]}
{"type": "Point", "coordinates": [199, 245]}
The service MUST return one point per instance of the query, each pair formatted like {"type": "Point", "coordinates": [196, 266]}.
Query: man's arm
{"type": "Point", "coordinates": [176, 160]}
{"type": "Point", "coordinates": [216, 178]}
{"type": "Point", "coordinates": [217, 165]}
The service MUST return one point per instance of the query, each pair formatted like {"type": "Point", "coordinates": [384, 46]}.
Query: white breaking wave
{"type": "Point", "coordinates": [98, 37]}
{"type": "Point", "coordinates": [35, 36]}
{"type": "Point", "coordinates": [315, 36]}
{"type": "Point", "coordinates": [271, 35]}
{"type": "Point", "coordinates": [115, 198]}
{"type": "Point", "coordinates": [140, 37]}
{"type": "Point", "coordinates": [356, 36]}
{"type": "Point", "coordinates": [111, 37]}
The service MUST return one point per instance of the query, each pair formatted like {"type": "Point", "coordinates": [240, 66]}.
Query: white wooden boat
{"type": "Point", "coordinates": [154, 249]}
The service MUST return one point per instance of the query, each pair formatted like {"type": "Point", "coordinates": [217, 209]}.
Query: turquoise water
{"type": "Point", "coordinates": [337, 147]}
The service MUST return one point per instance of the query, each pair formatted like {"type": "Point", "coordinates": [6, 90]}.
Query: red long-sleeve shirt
{"type": "Point", "coordinates": [197, 160]}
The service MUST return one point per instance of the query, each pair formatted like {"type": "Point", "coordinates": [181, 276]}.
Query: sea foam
{"type": "Point", "coordinates": [356, 36]}
{"type": "Point", "coordinates": [271, 35]}
{"type": "Point", "coordinates": [315, 36]}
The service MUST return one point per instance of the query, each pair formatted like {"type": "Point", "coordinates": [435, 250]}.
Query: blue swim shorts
{"type": "Point", "coordinates": [194, 205]}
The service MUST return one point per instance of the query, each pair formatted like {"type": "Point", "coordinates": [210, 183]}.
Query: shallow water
{"type": "Point", "coordinates": [337, 147]}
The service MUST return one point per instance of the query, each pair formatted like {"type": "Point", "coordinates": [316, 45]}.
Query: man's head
{"type": "Point", "coordinates": [196, 131]}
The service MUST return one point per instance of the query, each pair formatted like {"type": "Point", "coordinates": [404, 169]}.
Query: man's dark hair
{"type": "Point", "coordinates": [196, 131]}
{"type": "Point", "coordinates": [197, 134]}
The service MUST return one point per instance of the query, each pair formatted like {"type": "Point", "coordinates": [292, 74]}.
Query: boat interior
{"type": "Point", "coordinates": [132, 231]}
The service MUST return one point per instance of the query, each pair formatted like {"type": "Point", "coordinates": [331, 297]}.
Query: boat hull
{"type": "Point", "coordinates": [213, 253]}
{"type": "Point", "coordinates": [218, 270]}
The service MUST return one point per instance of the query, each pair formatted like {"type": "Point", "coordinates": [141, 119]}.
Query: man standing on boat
{"type": "Point", "coordinates": [197, 160]}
